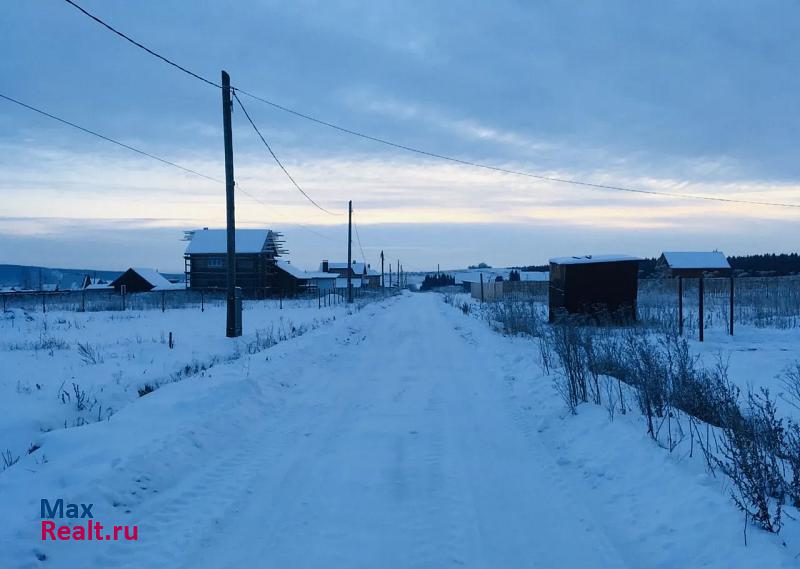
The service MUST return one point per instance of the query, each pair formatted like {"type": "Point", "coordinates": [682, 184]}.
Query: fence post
{"type": "Point", "coordinates": [280, 301]}
{"type": "Point", "coordinates": [701, 323]}
{"type": "Point", "coordinates": [481, 287]}
{"type": "Point", "coordinates": [202, 301]}
{"type": "Point", "coordinates": [731, 306]}
{"type": "Point", "coordinates": [83, 301]}
{"type": "Point", "coordinates": [680, 305]}
{"type": "Point", "coordinates": [163, 301]}
{"type": "Point", "coordinates": [171, 344]}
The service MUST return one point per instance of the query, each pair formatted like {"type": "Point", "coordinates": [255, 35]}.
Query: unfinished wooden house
{"type": "Point", "coordinates": [257, 251]}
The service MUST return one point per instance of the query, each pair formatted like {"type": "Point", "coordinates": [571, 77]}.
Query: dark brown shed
{"type": "Point", "coordinates": [599, 284]}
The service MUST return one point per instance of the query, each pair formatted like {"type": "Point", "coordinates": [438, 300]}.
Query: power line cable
{"type": "Point", "coordinates": [238, 187]}
{"type": "Point", "coordinates": [508, 170]}
{"type": "Point", "coordinates": [145, 48]}
{"type": "Point", "coordinates": [108, 139]}
{"type": "Point", "coordinates": [358, 238]}
{"type": "Point", "coordinates": [148, 155]}
{"type": "Point", "coordinates": [277, 160]}
{"type": "Point", "coordinates": [429, 154]}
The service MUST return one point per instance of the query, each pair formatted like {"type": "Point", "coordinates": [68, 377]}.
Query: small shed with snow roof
{"type": "Point", "coordinates": [699, 265]}
{"type": "Point", "coordinates": [594, 284]}
{"type": "Point", "coordinates": [693, 264]}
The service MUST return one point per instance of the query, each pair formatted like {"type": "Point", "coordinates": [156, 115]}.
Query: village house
{"type": "Point", "coordinates": [257, 251]}
{"type": "Point", "coordinates": [292, 281]}
{"type": "Point", "coordinates": [360, 273]}
{"type": "Point", "coordinates": [138, 279]}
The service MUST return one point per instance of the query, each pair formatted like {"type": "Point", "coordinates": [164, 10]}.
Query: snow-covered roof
{"type": "Point", "coordinates": [215, 241]}
{"type": "Point", "coordinates": [696, 260]}
{"type": "Point", "coordinates": [541, 276]}
{"type": "Point", "coordinates": [287, 267]}
{"type": "Point", "coordinates": [588, 259]}
{"type": "Point", "coordinates": [474, 276]}
{"type": "Point", "coordinates": [153, 277]}
{"type": "Point", "coordinates": [301, 274]}
{"type": "Point", "coordinates": [489, 275]}
{"type": "Point", "coordinates": [373, 273]}
{"type": "Point", "coordinates": [358, 268]}
{"type": "Point", "coordinates": [171, 286]}
{"type": "Point", "coordinates": [99, 286]}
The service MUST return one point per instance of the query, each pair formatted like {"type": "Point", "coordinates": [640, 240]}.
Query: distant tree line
{"type": "Point", "coordinates": [767, 264]}
{"type": "Point", "coordinates": [434, 281]}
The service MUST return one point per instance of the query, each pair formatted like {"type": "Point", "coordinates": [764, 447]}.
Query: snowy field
{"type": "Point", "coordinates": [64, 369]}
{"type": "Point", "coordinates": [404, 434]}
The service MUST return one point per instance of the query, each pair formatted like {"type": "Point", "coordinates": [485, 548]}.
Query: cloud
{"type": "Point", "coordinates": [133, 204]}
{"type": "Point", "coordinates": [669, 97]}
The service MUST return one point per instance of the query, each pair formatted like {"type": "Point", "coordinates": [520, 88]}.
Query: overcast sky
{"type": "Point", "coordinates": [685, 97]}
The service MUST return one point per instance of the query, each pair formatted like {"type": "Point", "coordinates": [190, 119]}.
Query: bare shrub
{"type": "Point", "coordinates": [610, 391]}
{"type": "Point", "coordinates": [705, 394]}
{"type": "Point", "coordinates": [749, 457]}
{"type": "Point", "coordinates": [791, 382]}
{"type": "Point", "coordinates": [44, 343]}
{"type": "Point", "coordinates": [567, 342]}
{"type": "Point", "coordinates": [89, 354]}
{"type": "Point", "coordinates": [647, 370]}
{"type": "Point", "coordinates": [147, 388]}
{"type": "Point", "coordinates": [791, 452]}
{"type": "Point", "coordinates": [517, 316]}
{"type": "Point", "coordinates": [9, 459]}
{"type": "Point", "coordinates": [545, 353]}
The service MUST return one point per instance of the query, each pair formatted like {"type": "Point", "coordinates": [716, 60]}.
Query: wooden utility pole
{"type": "Point", "coordinates": [730, 298]}
{"type": "Point", "coordinates": [233, 326]}
{"type": "Point", "coordinates": [350, 252]}
{"type": "Point", "coordinates": [701, 316]}
{"type": "Point", "coordinates": [680, 305]}
{"type": "Point", "coordinates": [383, 284]}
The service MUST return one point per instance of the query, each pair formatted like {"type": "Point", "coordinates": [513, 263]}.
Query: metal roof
{"type": "Point", "coordinates": [696, 260]}
{"type": "Point", "coordinates": [215, 241]}
{"type": "Point", "coordinates": [589, 259]}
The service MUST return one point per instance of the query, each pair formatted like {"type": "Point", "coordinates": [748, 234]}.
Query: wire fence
{"type": "Point", "coordinates": [763, 302]}
{"type": "Point", "coordinates": [183, 299]}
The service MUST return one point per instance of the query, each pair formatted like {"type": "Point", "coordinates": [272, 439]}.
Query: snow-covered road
{"type": "Point", "coordinates": [405, 456]}
{"type": "Point", "coordinates": [389, 439]}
